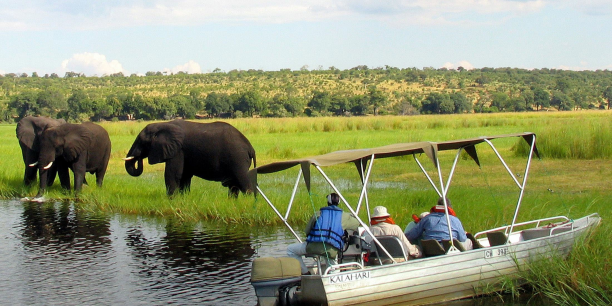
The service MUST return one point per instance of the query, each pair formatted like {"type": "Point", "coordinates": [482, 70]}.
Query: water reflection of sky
{"type": "Point", "coordinates": [53, 254]}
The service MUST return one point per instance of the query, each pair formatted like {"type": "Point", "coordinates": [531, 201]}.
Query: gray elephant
{"type": "Point", "coordinates": [213, 151]}
{"type": "Point", "coordinates": [29, 130]}
{"type": "Point", "coordinates": [82, 147]}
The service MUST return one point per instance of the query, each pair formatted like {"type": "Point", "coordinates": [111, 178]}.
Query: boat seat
{"type": "Point", "coordinates": [535, 233]}
{"type": "Point", "coordinates": [475, 243]}
{"type": "Point", "coordinates": [456, 243]}
{"type": "Point", "coordinates": [393, 245]}
{"type": "Point", "coordinates": [497, 238]}
{"type": "Point", "coordinates": [432, 247]}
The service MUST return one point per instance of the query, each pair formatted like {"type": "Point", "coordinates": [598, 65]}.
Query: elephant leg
{"type": "Point", "coordinates": [100, 176]}
{"type": "Point", "coordinates": [79, 168]}
{"type": "Point", "coordinates": [29, 177]}
{"type": "Point", "coordinates": [185, 183]}
{"type": "Point", "coordinates": [64, 176]}
{"type": "Point", "coordinates": [232, 191]}
{"type": "Point", "coordinates": [242, 182]}
{"type": "Point", "coordinates": [173, 173]}
{"type": "Point", "coordinates": [51, 176]}
{"type": "Point", "coordinates": [43, 182]}
{"type": "Point", "coordinates": [79, 176]}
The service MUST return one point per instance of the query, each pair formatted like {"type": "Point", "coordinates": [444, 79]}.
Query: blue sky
{"type": "Point", "coordinates": [197, 36]}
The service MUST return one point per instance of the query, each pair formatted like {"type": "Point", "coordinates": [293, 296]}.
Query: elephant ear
{"type": "Point", "coordinates": [76, 140]}
{"type": "Point", "coordinates": [26, 133]}
{"type": "Point", "coordinates": [29, 128]}
{"type": "Point", "coordinates": [166, 143]}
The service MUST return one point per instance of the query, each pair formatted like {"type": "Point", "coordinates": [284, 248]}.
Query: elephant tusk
{"type": "Point", "coordinates": [48, 166]}
{"type": "Point", "coordinates": [33, 165]}
{"type": "Point", "coordinates": [128, 158]}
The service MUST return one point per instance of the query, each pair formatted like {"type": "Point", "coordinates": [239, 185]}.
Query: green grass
{"type": "Point", "coordinates": [571, 179]}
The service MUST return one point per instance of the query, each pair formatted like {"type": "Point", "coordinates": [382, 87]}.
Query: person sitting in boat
{"type": "Point", "coordinates": [324, 233]}
{"type": "Point", "coordinates": [383, 225]}
{"type": "Point", "coordinates": [415, 219]}
{"type": "Point", "coordinates": [435, 226]}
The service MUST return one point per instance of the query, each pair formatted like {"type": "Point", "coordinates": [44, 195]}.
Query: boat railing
{"type": "Point", "coordinates": [343, 266]}
{"type": "Point", "coordinates": [537, 223]}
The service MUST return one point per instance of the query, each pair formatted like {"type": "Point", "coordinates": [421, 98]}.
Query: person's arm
{"type": "Point", "coordinates": [412, 250]}
{"type": "Point", "coordinates": [415, 233]}
{"type": "Point", "coordinates": [461, 236]}
{"type": "Point", "coordinates": [349, 222]}
{"type": "Point", "coordinates": [310, 224]}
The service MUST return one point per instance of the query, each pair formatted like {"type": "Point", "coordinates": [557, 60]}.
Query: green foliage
{"type": "Point", "coordinates": [357, 91]}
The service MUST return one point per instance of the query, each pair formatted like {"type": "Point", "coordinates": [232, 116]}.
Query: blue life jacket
{"type": "Point", "coordinates": [328, 227]}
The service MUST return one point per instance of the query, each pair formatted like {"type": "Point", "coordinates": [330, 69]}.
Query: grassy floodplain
{"type": "Point", "coordinates": [571, 179]}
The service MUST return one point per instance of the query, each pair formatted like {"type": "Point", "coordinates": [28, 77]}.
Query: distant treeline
{"type": "Point", "coordinates": [287, 93]}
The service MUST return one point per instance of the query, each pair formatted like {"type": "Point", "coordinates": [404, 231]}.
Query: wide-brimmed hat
{"type": "Point", "coordinates": [380, 212]}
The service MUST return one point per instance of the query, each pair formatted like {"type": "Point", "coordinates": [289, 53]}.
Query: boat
{"type": "Point", "coordinates": [450, 274]}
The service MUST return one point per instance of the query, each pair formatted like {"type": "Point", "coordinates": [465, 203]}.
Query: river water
{"type": "Point", "coordinates": [54, 254]}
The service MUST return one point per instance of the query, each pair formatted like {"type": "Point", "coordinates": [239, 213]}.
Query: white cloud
{"type": "Point", "coordinates": [189, 67]}
{"type": "Point", "coordinates": [465, 64]}
{"type": "Point", "coordinates": [91, 64]}
{"type": "Point", "coordinates": [80, 15]}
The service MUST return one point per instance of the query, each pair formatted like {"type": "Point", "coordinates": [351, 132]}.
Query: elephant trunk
{"type": "Point", "coordinates": [130, 166]}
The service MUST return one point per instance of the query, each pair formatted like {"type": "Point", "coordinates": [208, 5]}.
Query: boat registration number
{"type": "Point", "coordinates": [496, 252]}
{"type": "Point", "coordinates": [342, 278]}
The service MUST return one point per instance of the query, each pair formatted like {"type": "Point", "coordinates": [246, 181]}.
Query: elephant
{"type": "Point", "coordinates": [29, 130]}
{"type": "Point", "coordinates": [82, 147]}
{"type": "Point", "coordinates": [213, 151]}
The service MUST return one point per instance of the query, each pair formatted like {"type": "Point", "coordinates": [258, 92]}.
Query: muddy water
{"type": "Point", "coordinates": [52, 254]}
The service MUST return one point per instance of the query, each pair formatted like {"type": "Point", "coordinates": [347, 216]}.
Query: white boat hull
{"type": "Point", "coordinates": [441, 278]}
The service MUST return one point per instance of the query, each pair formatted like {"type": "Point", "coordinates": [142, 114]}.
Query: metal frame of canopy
{"type": "Point", "coordinates": [362, 156]}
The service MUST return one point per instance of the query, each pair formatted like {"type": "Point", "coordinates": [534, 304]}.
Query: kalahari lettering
{"type": "Point", "coordinates": [348, 277]}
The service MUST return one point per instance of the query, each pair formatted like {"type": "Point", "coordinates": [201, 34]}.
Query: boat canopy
{"type": "Point", "coordinates": [361, 156]}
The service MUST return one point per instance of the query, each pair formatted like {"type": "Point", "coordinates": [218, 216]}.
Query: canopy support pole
{"type": "Point", "coordinates": [279, 214]}
{"type": "Point", "coordinates": [364, 192]}
{"type": "Point", "coordinates": [295, 187]}
{"type": "Point", "coordinates": [365, 227]}
{"type": "Point", "coordinates": [427, 175]}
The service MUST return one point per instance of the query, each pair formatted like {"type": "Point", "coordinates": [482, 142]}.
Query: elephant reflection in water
{"type": "Point", "coordinates": [187, 249]}
{"type": "Point", "coordinates": [60, 222]}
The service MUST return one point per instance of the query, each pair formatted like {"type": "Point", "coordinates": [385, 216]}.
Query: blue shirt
{"type": "Point", "coordinates": [434, 226]}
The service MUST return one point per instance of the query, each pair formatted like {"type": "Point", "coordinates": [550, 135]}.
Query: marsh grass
{"type": "Point", "coordinates": [571, 180]}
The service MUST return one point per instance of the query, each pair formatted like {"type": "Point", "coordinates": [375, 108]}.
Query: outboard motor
{"type": "Point", "coordinates": [275, 280]}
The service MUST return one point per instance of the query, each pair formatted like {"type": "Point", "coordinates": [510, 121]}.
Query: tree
{"type": "Point", "coordinates": [80, 106]}
{"type": "Point", "coordinates": [528, 95]}
{"type": "Point", "coordinates": [184, 106]}
{"type": "Point", "coordinates": [115, 105]}
{"type": "Point", "coordinates": [51, 101]}
{"type": "Point", "coordinates": [295, 105]}
{"type": "Point", "coordinates": [541, 98]}
{"type": "Point", "coordinates": [438, 103]}
{"type": "Point", "coordinates": [320, 101]}
{"type": "Point", "coordinates": [562, 101]}
{"type": "Point", "coordinates": [461, 103]}
{"type": "Point", "coordinates": [500, 100]}
{"type": "Point", "coordinates": [377, 99]}
{"type": "Point", "coordinates": [608, 95]}
{"type": "Point", "coordinates": [250, 102]}
{"type": "Point", "coordinates": [359, 105]}
{"type": "Point", "coordinates": [339, 104]}
{"type": "Point", "coordinates": [25, 103]}
{"type": "Point", "coordinates": [517, 104]}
